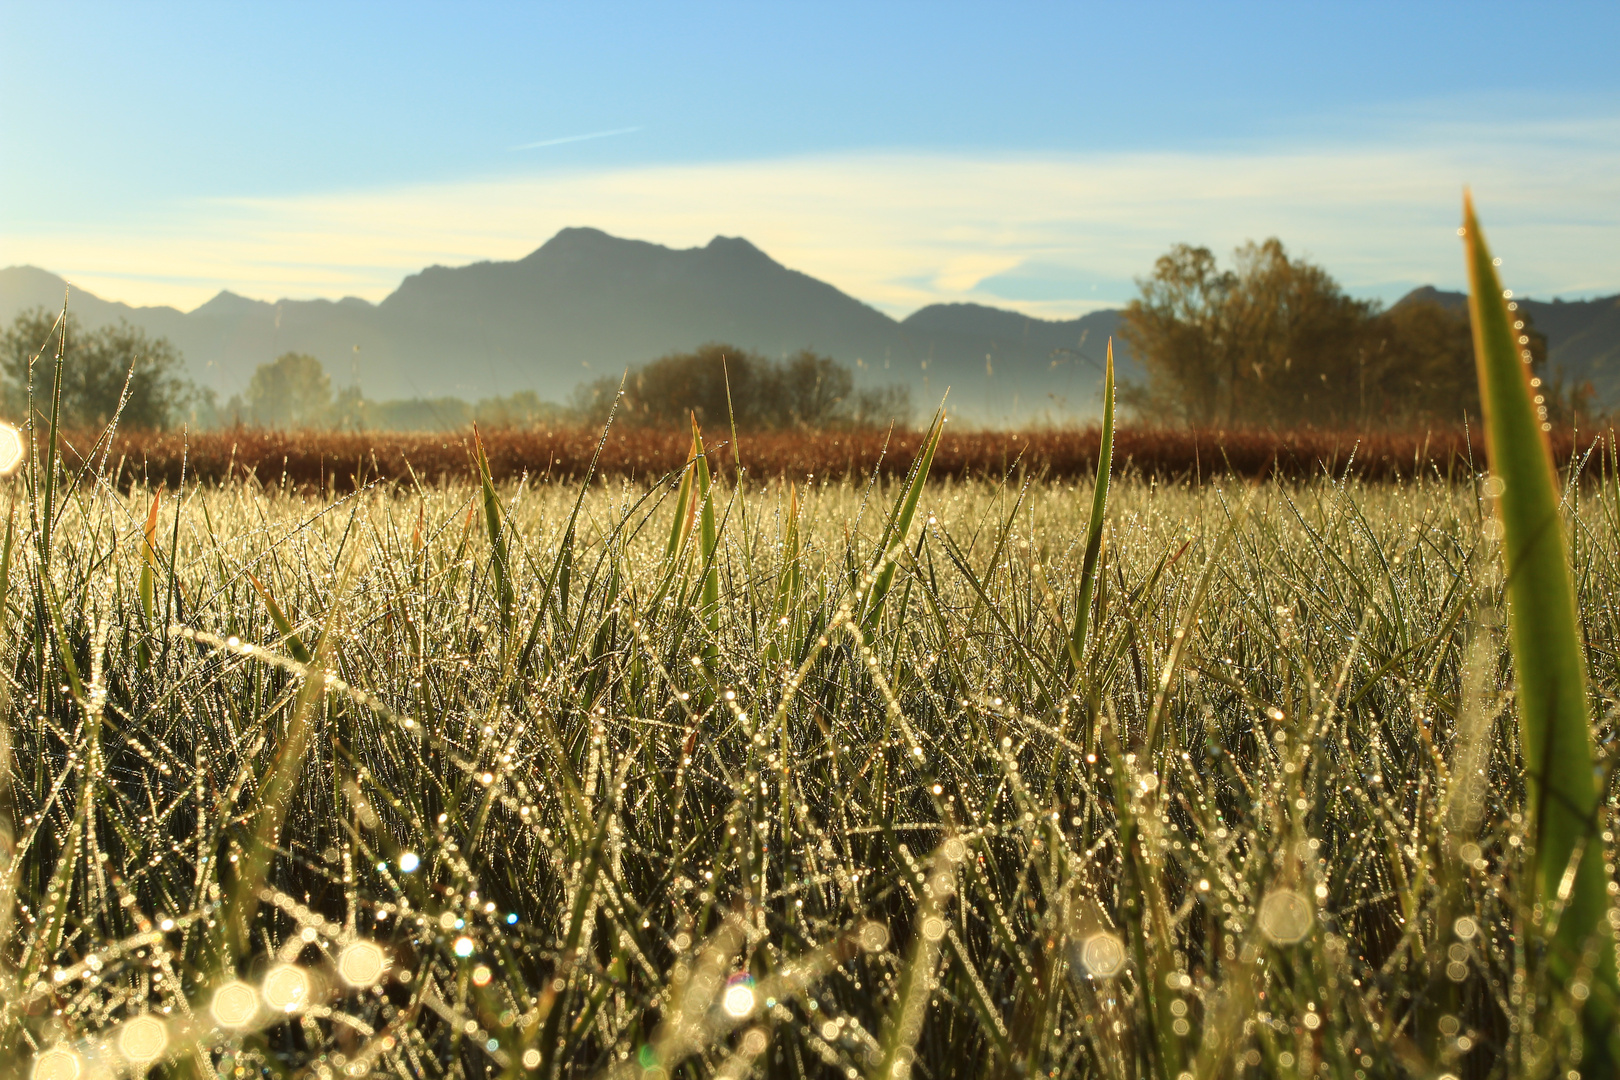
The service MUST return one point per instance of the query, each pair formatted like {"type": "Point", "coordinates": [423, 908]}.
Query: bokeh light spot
{"type": "Point", "coordinates": [57, 1063]}
{"type": "Point", "coordinates": [235, 1005]}
{"type": "Point", "coordinates": [1103, 955]}
{"type": "Point", "coordinates": [362, 964]}
{"type": "Point", "coordinates": [286, 987]}
{"type": "Point", "coordinates": [1285, 916]}
{"type": "Point", "coordinates": [143, 1040]}
{"type": "Point", "coordinates": [738, 1000]}
{"type": "Point", "coordinates": [12, 454]}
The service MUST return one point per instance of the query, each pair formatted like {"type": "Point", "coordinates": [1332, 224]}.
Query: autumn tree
{"type": "Point", "coordinates": [1268, 342]}
{"type": "Point", "coordinates": [1417, 365]}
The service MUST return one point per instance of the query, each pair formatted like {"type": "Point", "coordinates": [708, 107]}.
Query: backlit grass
{"type": "Point", "coordinates": [554, 801]}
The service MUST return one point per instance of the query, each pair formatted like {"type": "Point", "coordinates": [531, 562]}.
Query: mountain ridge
{"type": "Point", "coordinates": [585, 304]}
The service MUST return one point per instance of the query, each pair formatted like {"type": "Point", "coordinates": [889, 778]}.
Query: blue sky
{"type": "Point", "coordinates": [1037, 156]}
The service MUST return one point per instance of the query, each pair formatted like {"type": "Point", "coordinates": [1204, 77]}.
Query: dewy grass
{"type": "Point", "coordinates": [1277, 825]}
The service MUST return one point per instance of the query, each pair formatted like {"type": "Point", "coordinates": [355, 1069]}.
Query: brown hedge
{"type": "Point", "coordinates": [340, 460]}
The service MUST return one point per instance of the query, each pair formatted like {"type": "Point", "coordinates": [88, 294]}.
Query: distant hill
{"type": "Point", "coordinates": [1583, 336]}
{"type": "Point", "coordinates": [586, 304]}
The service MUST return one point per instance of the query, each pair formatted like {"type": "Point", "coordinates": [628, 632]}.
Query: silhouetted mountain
{"type": "Point", "coordinates": [586, 304]}
{"type": "Point", "coordinates": [1583, 336]}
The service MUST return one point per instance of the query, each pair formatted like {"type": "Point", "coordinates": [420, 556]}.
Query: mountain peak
{"type": "Point", "coordinates": [734, 245]}
{"type": "Point", "coordinates": [226, 304]}
{"type": "Point", "coordinates": [574, 238]}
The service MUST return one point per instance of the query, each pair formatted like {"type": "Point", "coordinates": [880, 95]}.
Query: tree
{"type": "Point", "coordinates": [293, 391]}
{"type": "Point", "coordinates": [720, 382]}
{"type": "Point", "coordinates": [811, 391]}
{"type": "Point", "coordinates": [1178, 329]}
{"type": "Point", "coordinates": [100, 368]}
{"type": "Point", "coordinates": [1417, 365]}
{"type": "Point", "coordinates": [1269, 342]}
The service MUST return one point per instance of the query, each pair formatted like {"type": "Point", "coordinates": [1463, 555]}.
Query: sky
{"type": "Point", "coordinates": [1033, 156]}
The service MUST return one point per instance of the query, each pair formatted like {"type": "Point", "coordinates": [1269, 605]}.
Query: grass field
{"type": "Point", "coordinates": [564, 803]}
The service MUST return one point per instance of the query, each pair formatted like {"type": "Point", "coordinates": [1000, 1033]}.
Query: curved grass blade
{"type": "Point", "coordinates": [1543, 628]}
{"type": "Point", "coordinates": [790, 583]}
{"type": "Point", "coordinates": [149, 561]}
{"type": "Point", "coordinates": [707, 532]}
{"type": "Point", "coordinates": [284, 626]}
{"type": "Point", "coordinates": [276, 792]}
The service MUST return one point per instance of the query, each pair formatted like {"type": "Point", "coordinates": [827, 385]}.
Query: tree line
{"type": "Point", "coordinates": [121, 371]}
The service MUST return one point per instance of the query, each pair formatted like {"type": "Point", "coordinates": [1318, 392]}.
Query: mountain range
{"type": "Point", "coordinates": [586, 305]}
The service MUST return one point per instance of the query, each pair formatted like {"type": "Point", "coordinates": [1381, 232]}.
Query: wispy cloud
{"type": "Point", "coordinates": [1050, 234]}
{"type": "Point", "coordinates": [575, 138]}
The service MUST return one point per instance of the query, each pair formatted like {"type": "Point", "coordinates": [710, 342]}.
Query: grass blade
{"type": "Point", "coordinates": [708, 536]}
{"type": "Point", "coordinates": [275, 796]}
{"type": "Point", "coordinates": [1543, 627]}
{"type": "Point", "coordinates": [1099, 504]}
{"type": "Point", "coordinates": [500, 564]}
{"type": "Point", "coordinates": [284, 626]}
{"type": "Point", "coordinates": [900, 525]}
{"type": "Point", "coordinates": [149, 561]}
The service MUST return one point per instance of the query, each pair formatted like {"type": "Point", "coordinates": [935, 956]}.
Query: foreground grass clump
{"type": "Point", "coordinates": [542, 780]}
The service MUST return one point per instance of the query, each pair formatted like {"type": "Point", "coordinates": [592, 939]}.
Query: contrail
{"type": "Point", "coordinates": [575, 138]}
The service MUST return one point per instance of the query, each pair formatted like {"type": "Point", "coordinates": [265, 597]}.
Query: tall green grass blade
{"type": "Point", "coordinates": [707, 535]}
{"type": "Point", "coordinates": [791, 581]}
{"type": "Point", "coordinates": [1543, 628]}
{"type": "Point", "coordinates": [1099, 507]}
{"type": "Point", "coordinates": [48, 497]}
{"type": "Point", "coordinates": [149, 562]}
{"type": "Point", "coordinates": [5, 568]}
{"type": "Point", "coordinates": [685, 509]}
{"type": "Point", "coordinates": [562, 564]}
{"type": "Point", "coordinates": [709, 551]}
{"type": "Point", "coordinates": [500, 563]}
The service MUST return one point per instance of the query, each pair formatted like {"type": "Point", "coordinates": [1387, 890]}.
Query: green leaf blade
{"type": "Point", "coordinates": [1544, 630]}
